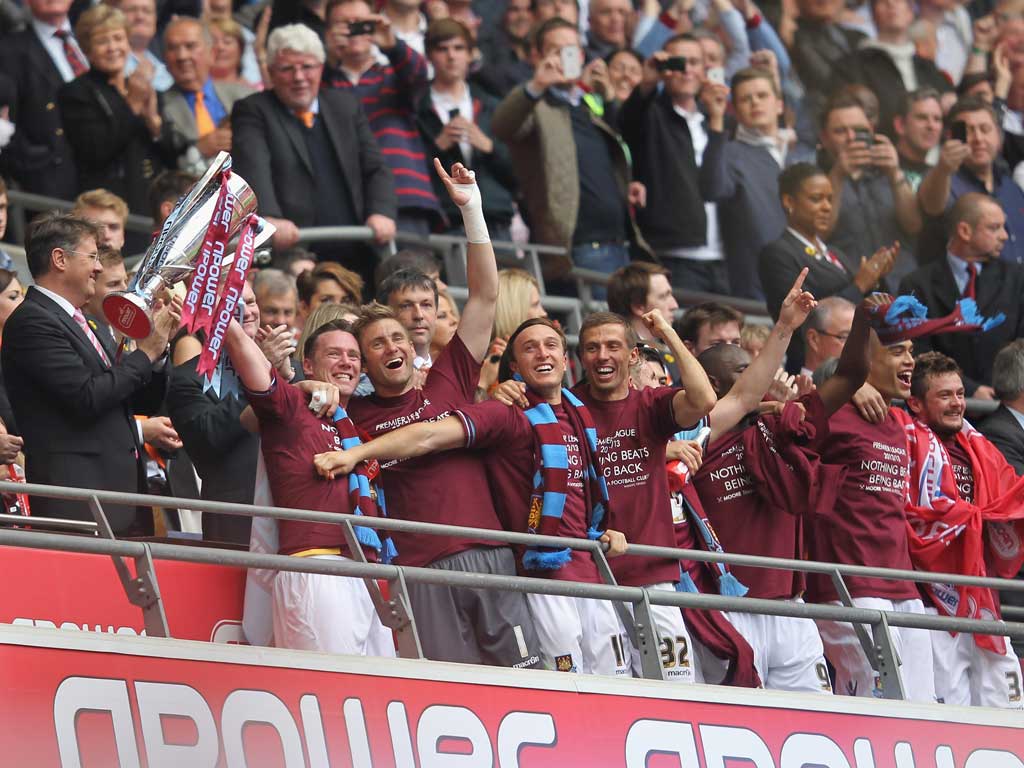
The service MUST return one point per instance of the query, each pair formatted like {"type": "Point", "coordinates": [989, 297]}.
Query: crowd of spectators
{"type": "Point", "coordinates": [808, 154]}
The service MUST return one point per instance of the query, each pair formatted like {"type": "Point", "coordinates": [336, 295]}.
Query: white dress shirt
{"type": "Point", "coordinates": [55, 46]}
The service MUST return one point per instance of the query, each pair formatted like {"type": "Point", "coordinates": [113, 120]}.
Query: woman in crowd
{"type": "Point", "coordinates": [11, 295]}
{"type": "Point", "coordinates": [625, 70]}
{"type": "Point", "coordinates": [446, 324]}
{"type": "Point", "coordinates": [228, 50]}
{"type": "Point", "coordinates": [806, 195]}
{"type": "Point", "coordinates": [113, 122]}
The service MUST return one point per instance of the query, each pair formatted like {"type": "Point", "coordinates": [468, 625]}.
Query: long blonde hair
{"type": "Point", "coordinates": [514, 287]}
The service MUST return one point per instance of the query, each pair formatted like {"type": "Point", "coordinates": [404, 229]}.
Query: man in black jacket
{"type": "Point", "coordinates": [222, 451]}
{"type": "Point", "coordinates": [74, 402]}
{"type": "Point", "coordinates": [38, 60]}
{"type": "Point", "coordinates": [667, 134]}
{"type": "Point", "coordinates": [889, 65]}
{"type": "Point", "coordinates": [454, 118]}
{"type": "Point", "coordinates": [971, 268]}
{"type": "Point", "coordinates": [308, 154]}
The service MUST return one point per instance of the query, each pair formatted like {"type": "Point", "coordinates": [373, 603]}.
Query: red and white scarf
{"type": "Point", "coordinates": [948, 535]}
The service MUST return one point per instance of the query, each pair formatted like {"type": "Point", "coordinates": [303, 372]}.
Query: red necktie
{"type": "Point", "coordinates": [84, 325]}
{"type": "Point", "coordinates": [78, 65]}
{"type": "Point", "coordinates": [972, 278]}
{"type": "Point", "coordinates": [834, 261]}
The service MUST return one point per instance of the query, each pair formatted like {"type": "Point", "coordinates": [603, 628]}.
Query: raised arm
{"type": "Point", "coordinates": [405, 443]}
{"type": "Point", "coordinates": [697, 397]}
{"type": "Point", "coordinates": [481, 269]}
{"type": "Point", "coordinates": [250, 364]}
{"type": "Point", "coordinates": [750, 387]}
{"type": "Point", "coordinates": [854, 362]}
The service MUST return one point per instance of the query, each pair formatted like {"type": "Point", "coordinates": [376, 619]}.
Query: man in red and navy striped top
{"type": "Point", "coordinates": [364, 55]}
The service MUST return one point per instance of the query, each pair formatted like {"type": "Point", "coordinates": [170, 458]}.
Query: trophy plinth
{"type": "Point", "coordinates": [127, 313]}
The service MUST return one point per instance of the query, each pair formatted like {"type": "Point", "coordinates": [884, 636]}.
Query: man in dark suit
{"type": "Point", "coordinates": [972, 269]}
{"type": "Point", "coordinates": [74, 404]}
{"type": "Point", "coordinates": [39, 59]}
{"type": "Point", "coordinates": [1005, 427]}
{"type": "Point", "coordinates": [223, 452]}
{"type": "Point", "coordinates": [309, 155]}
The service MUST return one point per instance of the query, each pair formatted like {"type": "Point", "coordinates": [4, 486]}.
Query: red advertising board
{"type": "Point", "coordinates": [82, 699]}
{"type": "Point", "coordinates": [74, 591]}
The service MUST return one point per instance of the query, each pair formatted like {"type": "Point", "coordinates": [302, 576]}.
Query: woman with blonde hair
{"type": "Point", "coordinates": [113, 122]}
{"type": "Point", "coordinates": [518, 301]}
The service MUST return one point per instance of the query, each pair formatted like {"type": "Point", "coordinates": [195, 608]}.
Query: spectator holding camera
{"type": "Point", "coordinates": [970, 161]}
{"type": "Point", "coordinates": [889, 65]}
{"type": "Point", "coordinates": [572, 168]}
{"type": "Point", "coordinates": [668, 134]}
{"type": "Point", "coordinates": [454, 118]}
{"type": "Point", "coordinates": [873, 205]}
{"type": "Point", "coordinates": [741, 175]}
{"type": "Point", "coordinates": [388, 93]}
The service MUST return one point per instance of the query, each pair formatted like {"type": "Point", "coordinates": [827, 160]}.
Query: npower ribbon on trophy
{"type": "Point", "coordinates": [196, 241]}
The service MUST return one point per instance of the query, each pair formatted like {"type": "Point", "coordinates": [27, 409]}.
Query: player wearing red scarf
{"type": "Point", "coordinates": [965, 515]}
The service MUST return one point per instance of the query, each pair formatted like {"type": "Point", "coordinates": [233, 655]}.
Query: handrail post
{"type": "Point", "coordinates": [866, 644]}
{"type": "Point", "coordinates": [887, 659]}
{"type": "Point", "coordinates": [143, 589]}
{"type": "Point", "coordinates": [648, 643]}
{"type": "Point", "coordinates": [395, 613]}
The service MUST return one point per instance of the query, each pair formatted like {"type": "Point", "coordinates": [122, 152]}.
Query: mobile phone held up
{"type": "Point", "coordinates": [572, 62]}
{"type": "Point", "coordinates": [453, 113]}
{"type": "Point", "coordinates": [716, 75]}
{"type": "Point", "coordinates": [361, 28]}
{"type": "Point", "coordinates": [864, 136]}
{"type": "Point", "coordinates": [672, 64]}
{"type": "Point", "coordinates": [958, 131]}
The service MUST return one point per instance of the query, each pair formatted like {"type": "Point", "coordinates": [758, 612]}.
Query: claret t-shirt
{"type": "Point", "coordinates": [746, 523]}
{"type": "Point", "coordinates": [449, 488]}
{"type": "Point", "coordinates": [866, 526]}
{"type": "Point", "coordinates": [504, 435]}
{"type": "Point", "coordinates": [291, 435]}
{"type": "Point", "coordinates": [632, 435]}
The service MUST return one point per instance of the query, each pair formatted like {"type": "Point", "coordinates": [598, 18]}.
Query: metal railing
{"type": "Point", "coordinates": [395, 611]}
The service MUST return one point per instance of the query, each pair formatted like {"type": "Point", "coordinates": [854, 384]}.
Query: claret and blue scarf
{"type": "Point", "coordinates": [551, 479]}
{"type": "Point", "coordinates": [361, 500]}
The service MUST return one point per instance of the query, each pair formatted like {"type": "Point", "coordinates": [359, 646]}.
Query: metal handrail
{"type": "Point", "coordinates": [396, 613]}
{"type": "Point", "coordinates": [525, 584]}
{"type": "Point", "coordinates": [34, 202]}
{"type": "Point", "coordinates": [501, 536]}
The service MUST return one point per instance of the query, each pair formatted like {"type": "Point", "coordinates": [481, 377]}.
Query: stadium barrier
{"type": "Point", "coordinates": [631, 603]}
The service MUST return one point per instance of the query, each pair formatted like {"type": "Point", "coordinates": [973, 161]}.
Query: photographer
{"type": "Point", "coordinates": [873, 206]}
{"type": "Point", "coordinates": [355, 38]}
{"type": "Point", "coordinates": [667, 134]}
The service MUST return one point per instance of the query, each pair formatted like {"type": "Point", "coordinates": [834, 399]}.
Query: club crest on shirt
{"type": "Point", "coordinates": [533, 522]}
{"type": "Point", "coordinates": [564, 663]}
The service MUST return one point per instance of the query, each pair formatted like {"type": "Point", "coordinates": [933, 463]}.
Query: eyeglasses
{"type": "Point", "coordinates": [94, 255]}
{"type": "Point", "coordinates": [841, 337]}
{"type": "Point", "coordinates": [289, 70]}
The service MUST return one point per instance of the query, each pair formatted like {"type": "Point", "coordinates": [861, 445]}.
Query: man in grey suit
{"type": "Point", "coordinates": [197, 107]}
{"type": "Point", "coordinates": [310, 155]}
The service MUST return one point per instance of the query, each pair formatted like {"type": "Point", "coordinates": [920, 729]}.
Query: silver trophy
{"type": "Point", "coordinates": [172, 257]}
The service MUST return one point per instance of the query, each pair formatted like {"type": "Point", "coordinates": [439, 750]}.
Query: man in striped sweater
{"type": "Point", "coordinates": [364, 55]}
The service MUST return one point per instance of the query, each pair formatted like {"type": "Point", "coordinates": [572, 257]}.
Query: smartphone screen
{"type": "Point", "coordinates": [716, 75]}
{"type": "Point", "coordinates": [453, 113]}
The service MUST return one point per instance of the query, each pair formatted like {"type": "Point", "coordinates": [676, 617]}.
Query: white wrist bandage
{"type": "Point", "coordinates": [473, 213]}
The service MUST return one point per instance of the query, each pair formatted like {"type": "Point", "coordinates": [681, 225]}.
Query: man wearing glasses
{"type": "Point", "coordinates": [88, 440]}
{"type": "Point", "coordinates": [310, 155]}
{"type": "Point", "coordinates": [825, 332]}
